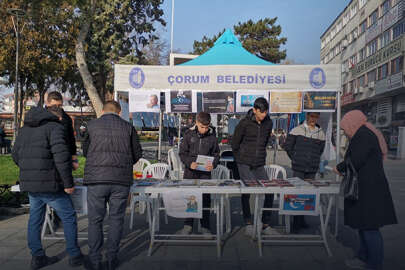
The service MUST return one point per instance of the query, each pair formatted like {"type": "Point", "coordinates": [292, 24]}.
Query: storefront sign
{"type": "Point", "coordinates": [374, 31]}
{"type": "Point", "coordinates": [390, 18]}
{"type": "Point", "coordinates": [381, 56]}
{"type": "Point", "coordinates": [390, 83]}
{"type": "Point", "coordinates": [347, 99]}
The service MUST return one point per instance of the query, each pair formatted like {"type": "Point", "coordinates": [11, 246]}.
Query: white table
{"type": "Point", "coordinates": [260, 192]}
{"type": "Point", "coordinates": [157, 192]}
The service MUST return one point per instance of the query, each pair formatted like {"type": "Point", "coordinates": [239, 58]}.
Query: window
{"type": "Point", "coordinates": [362, 3]}
{"type": "Point", "coordinates": [353, 60]}
{"type": "Point", "coordinates": [362, 54]}
{"type": "Point", "coordinates": [397, 65]}
{"type": "Point", "coordinates": [385, 6]}
{"type": "Point", "coordinates": [346, 18]}
{"type": "Point", "coordinates": [339, 27]}
{"type": "Point", "coordinates": [345, 88]}
{"type": "Point", "coordinates": [371, 76]}
{"type": "Point", "coordinates": [398, 30]}
{"type": "Point", "coordinates": [353, 11]}
{"type": "Point", "coordinates": [361, 81]}
{"type": "Point", "coordinates": [383, 72]}
{"type": "Point", "coordinates": [373, 18]}
{"type": "Point", "coordinates": [385, 38]}
{"type": "Point", "coordinates": [363, 27]}
{"type": "Point", "coordinates": [372, 47]}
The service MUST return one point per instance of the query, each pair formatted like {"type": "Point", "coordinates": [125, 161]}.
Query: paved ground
{"type": "Point", "coordinates": [239, 251]}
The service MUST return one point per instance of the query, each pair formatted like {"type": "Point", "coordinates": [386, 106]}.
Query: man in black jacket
{"type": "Point", "coordinates": [199, 140]}
{"type": "Point", "coordinates": [304, 146]}
{"type": "Point", "coordinates": [111, 147]}
{"type": "Point", "coordinates": [45, 163]}
{"type": "Point", "coordinates": [249, 148]}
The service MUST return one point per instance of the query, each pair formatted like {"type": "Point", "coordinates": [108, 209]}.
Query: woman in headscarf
{"type": "Point", "coordinates": [374, 207]}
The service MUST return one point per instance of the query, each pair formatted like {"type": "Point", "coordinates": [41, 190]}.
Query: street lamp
{"type": "Point", "coordinates": [17, 13]}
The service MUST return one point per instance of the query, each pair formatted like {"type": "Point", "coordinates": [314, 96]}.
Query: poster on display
{"type": "Point", "coordinates": [246, 98]}
{"type": "Point", "coordinates": [144, 101]}
{"type": "Point", "coordinates": [319, 101]}
{"type": "Point", "coordinates": [124, 109]}
{"type": "Point", "coordinates": [79, 200]}
{"type": "Point", "coordinates": [286, 102]}
{"type": "Point", "coordinates": [303, 203]}
{"type": "Point", "coordinates": [183, 204]}
{"type": "Point", "coordinates": [181, 101]}
{"type": "Point", "coordinates": [218, 102]}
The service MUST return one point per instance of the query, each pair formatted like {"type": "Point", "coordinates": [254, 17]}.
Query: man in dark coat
{"type": "Point", "coordinates": [249, 148]}
{"type": "Point", "coordinates": [45, 163]}
{"type": "Point", "coordinates": [374, 207]}
{"type": "Point", "coordinates": [112, 148]}
{"type": "Point", "coordinates": [304, 146]}
{"type": "Point", "coordinates": [199, 140]}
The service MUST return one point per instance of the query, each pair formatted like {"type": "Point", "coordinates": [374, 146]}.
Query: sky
{"type": "Point", "coordinates": [302, 21]}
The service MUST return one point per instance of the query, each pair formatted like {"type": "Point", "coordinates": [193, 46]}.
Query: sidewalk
{"type": "Point", "coordinates": [239, 251]}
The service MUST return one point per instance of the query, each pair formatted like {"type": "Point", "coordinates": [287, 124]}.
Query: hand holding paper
{"type": "Point", "coordinates": [204, 163]}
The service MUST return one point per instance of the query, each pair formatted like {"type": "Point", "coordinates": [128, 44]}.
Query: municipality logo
{"type": "Point", "coordinates": [317, 78]}
{"type": "Point", "coordinates": [136, 77]}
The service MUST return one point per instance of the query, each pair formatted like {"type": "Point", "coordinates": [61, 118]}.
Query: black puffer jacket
{"type": "Point", "coordinates": [305, 147]}
{"type": "Point", "coordinates": [250, 139]}
{"type": "Point", "coordinates": [194, 144]}
{"type": "Point", "coordinates": [69, 131]}
{"type": "Point", "coordinates": [42, 154]}
{"type": "Point", "coordinates": [111, 147]}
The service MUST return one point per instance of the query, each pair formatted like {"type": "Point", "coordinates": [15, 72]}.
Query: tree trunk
{"type": "Point", "coordinates": [82, 65]}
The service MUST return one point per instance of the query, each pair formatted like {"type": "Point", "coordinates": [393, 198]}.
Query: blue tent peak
{"type": "Point", "coordinates": [227, 50]}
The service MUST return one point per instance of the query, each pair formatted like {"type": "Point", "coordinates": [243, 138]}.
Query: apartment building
{"type": "Point", "coordinates": [368, 39]}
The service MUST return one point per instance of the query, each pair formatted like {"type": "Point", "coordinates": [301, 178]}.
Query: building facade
{"type": "Point", "coordinates": [368, 39]}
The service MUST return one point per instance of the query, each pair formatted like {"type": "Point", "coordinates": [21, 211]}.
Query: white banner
{"type": "Point", "coordinates": [144, 101]}
{"type": "Point", "coordinates": [183, 204]}
{"type": "Point", "coordinates": [277, 77]}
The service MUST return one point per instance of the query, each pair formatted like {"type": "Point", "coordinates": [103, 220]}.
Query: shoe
{"type": "Point", "coordinates": [356, 263]}
{"type": "Point", "coordinates": [249, 230]}
{"type": "Point", "coordinates": [270, 231]}
{"type": "Point", "coordinates": [205, 231]}
{"type": "Point", "coordinates": [38, 262]}
{"type": "Point", "coordinates": [92, 266]}
{"type": "Point", "coordinates": [187, 229]}
{"type": "Point", "coordinates": [113, 264]}
{"type": "Point", "coordinates": [76, 261]}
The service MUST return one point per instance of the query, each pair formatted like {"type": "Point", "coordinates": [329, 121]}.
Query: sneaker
{"type": "Point", "coordinates": [356, 263]}
{"type": "Point", "coordinates": [249, 230]}
{"type": "Point", "coordinates": [187, 229]}
{"type": "Point", "coordinates": [205, 231]}
{"type": "Point", "coordinates": [39, 262]}
{"type": "Point", "coordinates": [270, 231]}
{"type": "Point", "coordinates": [76, 261]}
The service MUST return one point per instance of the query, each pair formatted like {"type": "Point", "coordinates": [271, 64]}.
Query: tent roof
{"type": "Point", "coordinates": [227, 50]}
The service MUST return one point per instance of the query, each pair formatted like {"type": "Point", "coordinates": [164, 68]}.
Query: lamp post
{"type": "Point", "coordinates": [17, 14]}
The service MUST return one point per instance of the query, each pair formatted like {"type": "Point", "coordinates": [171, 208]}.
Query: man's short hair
{"type": "Point", "coordinates": [204, 118]}
{"type": "Point", "coordinates": [54, 96]}
{"type": "Point", "coordinates": [318, 113]}
{"type": "Point", "coordinates": [261, 104]}
{"type": "Point", "coordinates": [112, 106]}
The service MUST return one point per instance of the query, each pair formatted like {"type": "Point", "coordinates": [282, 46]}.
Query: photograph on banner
{"type": "Point", "coordinates": [144, 100]}
{"type": "Point", "coordinates": [302, 203]}
{"type": "Point", "coordinates": [319, 101]}
{"type": "Point", "coordinates": [286, 102]}
{"type": "Point", "coordinates": [246, 98]}
{"type": "Point", "coordinates": [183, 204]}
{"type": "Point", "coordinates": [181, 101]}
{"type": "Point", "coordinates": [219, 101]}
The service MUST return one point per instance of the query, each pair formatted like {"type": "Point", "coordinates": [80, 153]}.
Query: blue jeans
{"type": "Point", "coordinates": [371, 248]}
{"type": "Point", "coordinates": [63, 206]}
{"type": "Point", "coordinates": [322, 165]}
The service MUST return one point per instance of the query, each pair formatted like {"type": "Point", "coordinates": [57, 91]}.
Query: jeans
{"type": "Point", "coordinates": [258, 173]}
{"type": "Point", "coordinates": [371, 248]}
{"type": "Point", "coordinates": [97, 198]}
{"type": "Point", "coordinates": [63, 206]}
{"type": "Point", "coordinates": [322, 165]}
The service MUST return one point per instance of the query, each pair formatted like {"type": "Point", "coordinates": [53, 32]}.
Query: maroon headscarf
{"type": "Point", "coordinates": [353, 120]}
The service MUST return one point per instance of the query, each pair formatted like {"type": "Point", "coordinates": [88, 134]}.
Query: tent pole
{"type": "Point", "coordinates": [179, 134]}
{"type": "Point", "coordinates": [160, 135]}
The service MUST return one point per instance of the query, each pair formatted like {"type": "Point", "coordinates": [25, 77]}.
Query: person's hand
{"type": "Point", "coordinates": [209, 166]}
{"type": "Point", "coordinates": [193, 165]}
{"type": "Point", "coordinates": [335, 170]}
{"type": "Point", "coordinates": [70, 190]}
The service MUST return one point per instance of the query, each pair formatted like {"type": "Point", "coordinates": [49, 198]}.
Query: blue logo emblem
{"type": "Point", "coordinates": [136, 77]}
{"type": "Point", "coordinates": [317, 78]}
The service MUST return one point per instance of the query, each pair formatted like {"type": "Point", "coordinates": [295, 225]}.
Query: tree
{"type": "Point", "coordinates": [261, 38]}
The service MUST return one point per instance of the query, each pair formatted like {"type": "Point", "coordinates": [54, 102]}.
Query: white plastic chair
{"type": "Point", "coordinates": [176, 170]}
{"type": "Point", "coordinates": [220, 172]}
{"type": "Point", "coordinates": [157, 171]}
{"type": "Point", "coordinates": [273, 172]}
{"type": "Point", "coordinates": [141, 164]}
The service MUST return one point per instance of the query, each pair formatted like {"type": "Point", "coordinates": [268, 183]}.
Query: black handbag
{"type": "Point", "coordinates": [350, 183]}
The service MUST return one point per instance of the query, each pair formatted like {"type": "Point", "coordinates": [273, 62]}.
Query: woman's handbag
{"type": "Point", "coordinates": [350, 183]}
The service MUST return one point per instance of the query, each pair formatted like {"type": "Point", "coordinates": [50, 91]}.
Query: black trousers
{"type": "Point", "coordinates": [97, 198]}
{"type": "Point", "coordinates": [257, 173]}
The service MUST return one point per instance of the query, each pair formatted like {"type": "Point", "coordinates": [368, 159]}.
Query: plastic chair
{"type": "Point", "coordinates": [220, 172]}
{"type": "Point", "coordinates": [157, 171]}
{"type": "Point", "coordinates": [176, 170]}
{"type": "Point", "coordinates": [141, 164]}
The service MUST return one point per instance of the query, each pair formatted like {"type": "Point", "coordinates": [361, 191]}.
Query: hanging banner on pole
{"type": "Point", "coordinates": [144, 101]}
{"type": "Point", "coordinates": [246, 98]}
{"type": "Point", "coordinates": [181, 101]}
{"type": "Point", "coordinates": [218, 102]}
{"type": "Point", "coordinates": [319, 101]}
{"type": "Point", "coordinates": [217, 77]}
{"type": "Point", "coordinates": [285, 102]}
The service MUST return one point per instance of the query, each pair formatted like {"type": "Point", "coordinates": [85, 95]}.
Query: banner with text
{"type": "Point", "coordinates": [319, 101]}
{"type": "Point", "coordinates": [285, 102]}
